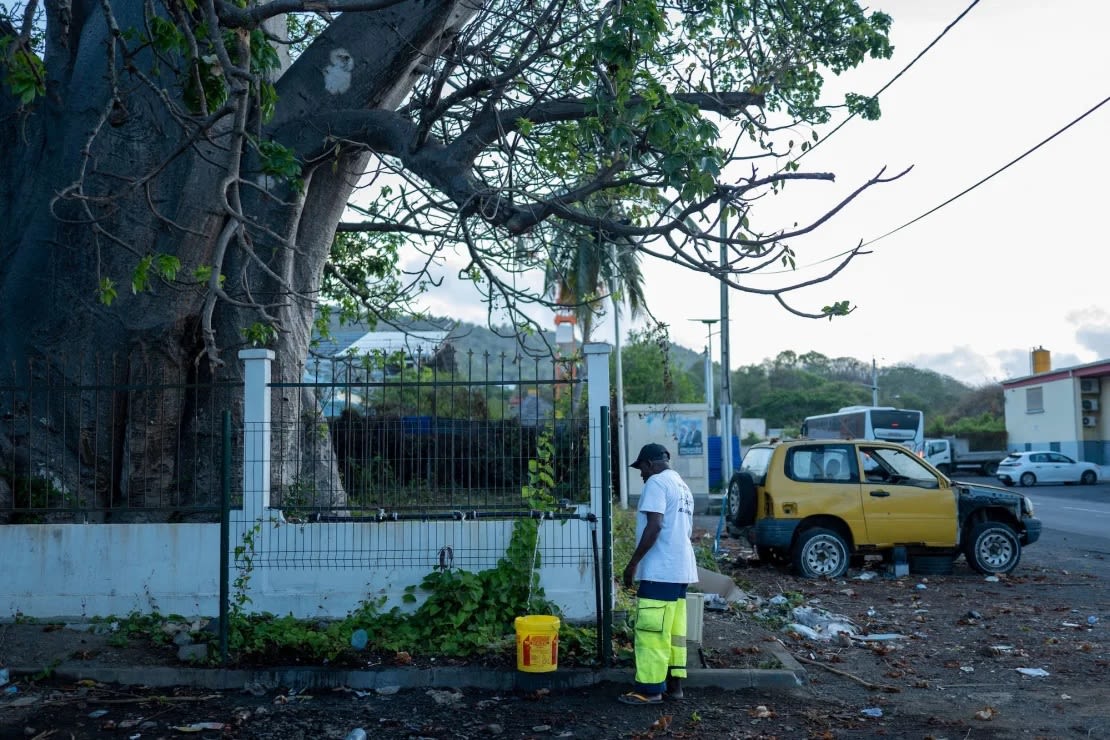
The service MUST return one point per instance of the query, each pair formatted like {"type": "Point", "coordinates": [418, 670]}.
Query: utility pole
{"type": "Point", "coordinates": [726, 386]}
{"type": "Point", "coordinates": [622, 443]}
{"type": "Point", "coordinates": [874, 383]}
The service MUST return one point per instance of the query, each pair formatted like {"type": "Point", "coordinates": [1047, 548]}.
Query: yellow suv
{"type": "Point", "coordinates": [819, 503]}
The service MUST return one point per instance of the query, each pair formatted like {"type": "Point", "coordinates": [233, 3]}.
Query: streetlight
{"type": "Point", "coordinates": [708, 362]}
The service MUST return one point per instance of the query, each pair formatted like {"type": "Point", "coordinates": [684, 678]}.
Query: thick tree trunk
{"type": "Point", "coordinates": [78, 204]}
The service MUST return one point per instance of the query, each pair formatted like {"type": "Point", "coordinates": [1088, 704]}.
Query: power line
{"type": "Point", "coordinates": [955, 197]}
{"type": "Point", "coordinates": [999, 171]}
{"type": "Point", "coordinates": [893, 79]}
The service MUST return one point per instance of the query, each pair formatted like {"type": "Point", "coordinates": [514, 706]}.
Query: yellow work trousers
{"type": "Point", "coordinates": [660, 643]}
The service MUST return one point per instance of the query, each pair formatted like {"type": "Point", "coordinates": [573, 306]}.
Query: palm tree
{"type": "Point", "coordinates": [585, 266]}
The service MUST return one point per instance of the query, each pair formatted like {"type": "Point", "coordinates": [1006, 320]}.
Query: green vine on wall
{"type": "Point", "coordinates": [464, 613]}
{"type": "Point", "coordinates": [238, 619]}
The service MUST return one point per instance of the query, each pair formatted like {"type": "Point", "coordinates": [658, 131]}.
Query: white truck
{"type": "Point", "coordinates": [948, 454]}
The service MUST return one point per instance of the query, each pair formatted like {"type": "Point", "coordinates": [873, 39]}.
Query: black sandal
{"type": "Point", "coordinates": [634, 697]}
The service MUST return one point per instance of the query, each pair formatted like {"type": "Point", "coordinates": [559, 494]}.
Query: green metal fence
{"type": "Point", "coordinates": [93, 439]}
{"type": "Point", "coordinates": [489, 439]}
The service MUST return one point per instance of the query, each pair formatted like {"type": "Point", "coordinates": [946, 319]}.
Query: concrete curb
{"type": "Point", "coordinates": [793, 675]}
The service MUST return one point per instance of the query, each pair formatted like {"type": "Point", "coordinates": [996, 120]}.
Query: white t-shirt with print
{"type": "Point", "coordinates": [671, 558]}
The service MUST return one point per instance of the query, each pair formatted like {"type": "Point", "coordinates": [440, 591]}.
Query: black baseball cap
{"type": "Point", "coordinates": [651, 453]}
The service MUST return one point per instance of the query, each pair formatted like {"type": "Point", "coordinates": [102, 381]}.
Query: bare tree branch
{"type": "Point", "coordinates": [233, 16]}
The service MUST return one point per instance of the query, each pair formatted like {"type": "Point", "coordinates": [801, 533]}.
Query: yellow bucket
{"type": "Point", "coordinates": [537, 643]}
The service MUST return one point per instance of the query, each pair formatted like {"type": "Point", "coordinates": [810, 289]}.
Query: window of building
{"type": "Point", "coordinates": [1034, 400]}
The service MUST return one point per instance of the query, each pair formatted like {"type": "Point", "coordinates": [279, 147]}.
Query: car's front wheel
{"type": "Point", "coordinates": [1028, 479]}
{"type": "Point", "coordinates": [992, 547]}
{"type": "Point", "coordinates": [1089, 478]}
{"type": "Point", "coordinates": [820, 553]}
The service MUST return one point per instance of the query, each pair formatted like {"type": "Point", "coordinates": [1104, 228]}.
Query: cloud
{"type": "Point", "coordinates": [459, 298]}
{"type": "Point", "coordinates": [1014, 363]}
{"type": "Point", "coordinates": [962, 363]}
{"type": "Point", "coordinates": [1092, 330]}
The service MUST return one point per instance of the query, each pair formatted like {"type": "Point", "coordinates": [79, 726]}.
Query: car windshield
{"type": "Point", "coordinates": [901, 466]}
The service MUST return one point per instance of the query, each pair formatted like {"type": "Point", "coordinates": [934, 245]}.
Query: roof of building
{"type": "Point", "coordinates": [1097, 369]}
{"type": "Point", "coordinates": [357, 339]}
{"type": "Point", "coordinates": [413, 343]}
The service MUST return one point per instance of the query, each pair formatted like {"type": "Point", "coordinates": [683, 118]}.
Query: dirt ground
{"type": "Point", "coordinates": [951, 670]}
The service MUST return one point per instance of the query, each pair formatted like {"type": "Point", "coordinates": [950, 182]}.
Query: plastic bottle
{"type": "Point", "coordinates": [357, 734]}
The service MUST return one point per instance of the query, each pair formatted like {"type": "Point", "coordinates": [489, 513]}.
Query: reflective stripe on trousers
{"type": "Point", "coordinates": [660, 646]}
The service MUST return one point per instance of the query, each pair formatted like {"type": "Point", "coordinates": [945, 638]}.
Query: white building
{"type": "Point", "coordinates": [340, 360]}
{"type": "Point", "coordinates": [1062, 410]}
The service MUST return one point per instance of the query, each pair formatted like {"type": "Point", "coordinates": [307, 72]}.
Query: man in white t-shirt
{"type": "Point", "coordinates": [664, 565]}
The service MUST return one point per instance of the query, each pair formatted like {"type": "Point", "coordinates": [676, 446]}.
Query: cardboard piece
{"type": "Point", "coordinates": [719, 584]}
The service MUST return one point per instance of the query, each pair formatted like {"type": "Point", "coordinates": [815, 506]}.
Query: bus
{"type": "Point", "coordinates": [870, 422]}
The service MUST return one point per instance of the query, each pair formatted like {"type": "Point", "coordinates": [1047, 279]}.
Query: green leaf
{"type": "Point", "coordinates": [140, 277]}
{"type": "Point", "coordinates": [280, 161]}
{"type": "Point", "coordinates": [106, 291]}
{"type": "Point", "coordinates": [167, 266]}
{"type": "Point", "coordinates": [259, 334]}
{"type": "Point", "coordinates": [26, 75]}
{"type": "Point", "coordinates": [165, 36]}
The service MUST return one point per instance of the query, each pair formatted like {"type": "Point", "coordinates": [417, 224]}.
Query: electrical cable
{"type": "Point", "coordinates": [955, 197]}
{"type": "Point", "coordinates": [893, 79]}
{"type": "Point", "coordinates": [999, 171]}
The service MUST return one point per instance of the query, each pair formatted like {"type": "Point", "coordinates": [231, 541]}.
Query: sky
{"type": "Point", "coordinates": [1022, 261]}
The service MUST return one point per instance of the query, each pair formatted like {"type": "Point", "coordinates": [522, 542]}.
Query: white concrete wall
{"type": "Point", "coordinates": [758, 427]}
{"type": "Point", "coordinates": [1058, 423]}
{"type": "Point", "coordinates": [88, 570]}
{"type": "Point", "coordinates": [99, 570]}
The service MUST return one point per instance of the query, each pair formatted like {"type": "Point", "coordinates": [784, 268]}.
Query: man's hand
{"type": "Point", "coordinates": [629, 574]}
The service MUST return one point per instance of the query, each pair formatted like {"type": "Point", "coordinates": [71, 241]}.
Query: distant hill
{"type": "Point", "coordinates": [480, 352]}
{"type": "Point", "coordinates": [471, 340]}
{"type": "Point", "coordinates": [774, 388]}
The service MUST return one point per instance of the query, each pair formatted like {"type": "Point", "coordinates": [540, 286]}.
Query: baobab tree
{"type": "Point", "coordinates": [175, 171]}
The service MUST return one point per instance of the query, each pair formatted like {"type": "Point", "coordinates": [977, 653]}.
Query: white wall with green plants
{"type": "Point", "coordinates": [79, 570]}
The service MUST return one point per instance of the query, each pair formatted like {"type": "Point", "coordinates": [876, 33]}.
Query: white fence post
{"type": "Point", "coordinates": [597, 379]}
{"type": "Point", "coordinates": [256, 432]}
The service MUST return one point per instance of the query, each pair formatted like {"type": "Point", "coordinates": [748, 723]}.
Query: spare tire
{"type": "Point", "coordinates": [741, 500]}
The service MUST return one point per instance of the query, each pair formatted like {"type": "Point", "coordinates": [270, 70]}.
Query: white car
{"type": "Point", "coordinates": [1043, 466]}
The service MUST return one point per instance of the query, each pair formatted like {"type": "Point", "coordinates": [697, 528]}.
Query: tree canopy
{"type": "Point", "coordinates": [206, 149]}
{"type": "Point", "coordinates": [789, 387]}
{"type": "Point", "coordinates": [176, 172]}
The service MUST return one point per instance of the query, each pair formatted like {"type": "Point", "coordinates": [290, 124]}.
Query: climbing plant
{"type": "Point", "coordinates": [463, 613]}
